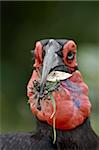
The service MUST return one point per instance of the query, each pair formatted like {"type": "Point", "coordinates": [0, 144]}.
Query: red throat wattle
{"type": "Point", "coordinates": [72, 105]}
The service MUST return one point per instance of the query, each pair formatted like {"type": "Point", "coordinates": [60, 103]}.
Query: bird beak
{"type": "Point", "coordinates": [50, 59]}
{"type": "Point", "coordinates": [49, 62]}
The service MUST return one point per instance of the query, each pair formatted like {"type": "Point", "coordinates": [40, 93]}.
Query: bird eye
{"type": "Point", "coordinates": [70, 55]}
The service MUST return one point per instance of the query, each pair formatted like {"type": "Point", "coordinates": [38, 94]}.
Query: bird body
{"type": "Point", "coordinates": [80, 138]}
{"type": "Point", "coordinates": [58, 98]}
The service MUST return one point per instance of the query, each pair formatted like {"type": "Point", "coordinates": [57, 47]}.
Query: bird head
{"type": "Point", "coordinates": [57, 85]}
{"type": "Point", "coordinates": [55, 55]}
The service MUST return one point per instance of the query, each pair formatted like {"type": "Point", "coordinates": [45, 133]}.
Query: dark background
{"type": "Point", "coordinates": [23, 23]}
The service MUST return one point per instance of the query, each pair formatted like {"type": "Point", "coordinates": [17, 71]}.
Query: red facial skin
{"type": "Point", "coordinates": [38, 55]}
{"type": "Point", "coordinates": [72, 102]}
{"type": "Point", "coordinates": [70, 46]}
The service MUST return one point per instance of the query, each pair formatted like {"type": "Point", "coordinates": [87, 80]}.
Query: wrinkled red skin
{"type": "Point", "coordinates": [70, 46]}
{"type": "Point", "coordinates": [72, 102]}
{"type": "Point", "coordinates": [38, 55]}
{"type": "Point", "coordinates": [68, 114]}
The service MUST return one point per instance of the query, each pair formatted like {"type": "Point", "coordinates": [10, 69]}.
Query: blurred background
{"type": "Point", "coordinates": [22, 24]}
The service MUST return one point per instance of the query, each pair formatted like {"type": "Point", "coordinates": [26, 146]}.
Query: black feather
{"type": "Point", "coordinates": [80, 138]}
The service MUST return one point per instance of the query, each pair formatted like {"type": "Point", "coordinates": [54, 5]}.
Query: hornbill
{"type": "Point", "coordinates": [58, 99]}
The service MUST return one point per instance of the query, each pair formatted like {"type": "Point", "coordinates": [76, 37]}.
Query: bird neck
{"type": "Point", "coordinates": [62, 136]}
{"type": "Point", "coordinates": [82, 137]}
